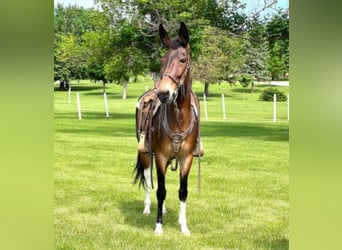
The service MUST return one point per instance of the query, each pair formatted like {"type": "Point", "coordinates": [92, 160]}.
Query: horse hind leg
{"type": "Point", "coordinates": [143, 176]}
{"type": "Point", "coordinates": [148, 186]}
{"type": "Point", "coordinates": [146, 162]}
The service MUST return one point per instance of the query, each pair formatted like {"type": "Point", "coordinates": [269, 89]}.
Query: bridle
{"type": "Point", "coordinates": [180, 84]}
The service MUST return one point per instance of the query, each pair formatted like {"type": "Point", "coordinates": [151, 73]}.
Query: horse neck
{"type": "Point", "coordinates": [181, 111]}
{"type": "Point", "coordinates": [183, 97]}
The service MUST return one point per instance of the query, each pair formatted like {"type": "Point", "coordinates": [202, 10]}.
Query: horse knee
{"type": "Point", "coordinates": [161, 194]}
{"type": "Point", "coordinates": [182, 194]}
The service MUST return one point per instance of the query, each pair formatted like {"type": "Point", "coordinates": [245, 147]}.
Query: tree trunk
{"type": "Point", "coordinates": [252, 89]}
{"type": "Point", "coordinates": [61, 85]}
{"type": "Point", "coordinates": [206, 89]}
{"type": "Point", "coordinates": [104, 87]}
{"type": "Point", "coordinates": [124, 90]}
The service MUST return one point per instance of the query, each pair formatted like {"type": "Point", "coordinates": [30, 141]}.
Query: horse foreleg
{"type": "Point", "coordinates": [182, 218]}
{"type": "Point", "coordinates": [183, 194]}
{"type": "Point", "coordinates": [161, 194]}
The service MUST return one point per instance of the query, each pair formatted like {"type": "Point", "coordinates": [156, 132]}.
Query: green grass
{"type": "Point", "coordinates": [244, 198]}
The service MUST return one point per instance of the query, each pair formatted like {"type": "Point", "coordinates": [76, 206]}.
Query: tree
{"type": "Point", "coordinates": [221, 57]}
{"type": "Point", "coordinates": [68, 59]}
{"type": "Point", "coordinates": [71, 26]}
{"type": "Point", "coordinates": [147, 15]}
{"type": "Point", "coordinates": [277, 30]}
{"type": "Point", "coordinates": [128, 58]}
{"type": "Point", "coordinates": [97, 51]}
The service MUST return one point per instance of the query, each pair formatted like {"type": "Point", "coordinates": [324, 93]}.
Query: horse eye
{"type": "Point", "coordinates": [183, 60]}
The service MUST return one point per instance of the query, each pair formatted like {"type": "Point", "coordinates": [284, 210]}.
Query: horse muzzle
{"type": "Point", "coordinates": [164, 96]}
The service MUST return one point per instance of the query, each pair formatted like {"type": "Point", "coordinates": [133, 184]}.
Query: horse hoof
{"type": "Point", "coordinates": [147, 211]}
{"type": "Point", "coordinates": [159, 229]}
{"type": "Point", "coordinates": [164, 211]}
{"type": "Point", "coordinates": [186, 233]}
{"type": "Point", "coordinates": [185, 230]}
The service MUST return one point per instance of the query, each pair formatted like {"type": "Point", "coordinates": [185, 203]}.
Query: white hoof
{"type": "Point", "coordinates": [164, 210]}
{"type": "Point", "coordinates": [147, 210]}
{"type": "Point", "coordinates": [159, 229]}
{"type": "Point", "coordinates": [185, 230]}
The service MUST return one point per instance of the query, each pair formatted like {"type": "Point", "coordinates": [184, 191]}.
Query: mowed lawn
{"type": "Point", "coordinates": [244, 198]}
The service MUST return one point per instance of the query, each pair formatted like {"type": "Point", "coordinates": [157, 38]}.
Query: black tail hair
{"type": "Point", "coordinates": [139, 175]}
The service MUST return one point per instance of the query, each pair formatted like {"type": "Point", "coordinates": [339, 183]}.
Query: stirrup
{"type": "Point", "coordinates": [141, 146]}
{"type": "Point", "coordinates": [200, 153]}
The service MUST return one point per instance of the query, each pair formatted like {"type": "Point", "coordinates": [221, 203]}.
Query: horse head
{"type": "Point", "coordinates": [175, 64]}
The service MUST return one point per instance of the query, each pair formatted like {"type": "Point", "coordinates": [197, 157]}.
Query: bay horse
{"type": "Point", "coordinates": [173, 133]}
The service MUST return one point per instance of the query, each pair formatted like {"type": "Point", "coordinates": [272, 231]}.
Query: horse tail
{"type": "Point", "coordinates": [139, 173]}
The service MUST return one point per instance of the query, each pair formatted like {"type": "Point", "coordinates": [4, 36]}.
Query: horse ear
{"type": "Point", "coordinates": [183, 34]}
{"type": "Point", "coordinates": [164, 37]}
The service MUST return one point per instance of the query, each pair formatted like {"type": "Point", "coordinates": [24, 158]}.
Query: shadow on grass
{"type": "Point", "coordinates": [98, 123]}
{"type": "Point", "coordinates": [88, 115]}
{"type": "Point", "coordinates": [247, 90]}
{"type": "Point", "coordinates": [110, 95]}
{"type": "Point", "coordinates": [132, 213]}
{"type": "Point", "coordinates": [280, 244]}
{"type": "Point", "coordinates": [214, 97]}
{"type": "Point", "coordinates": [81, 88]}
{"type": "Point", "coordinates": [267, 132]}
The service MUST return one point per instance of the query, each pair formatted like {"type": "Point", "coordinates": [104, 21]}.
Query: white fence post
{"type": "Point", "coordinates": [274, 108]}
{"type": "Point", "coordinates": [106, 104]}
{"type": "Point", "coordinates": [288, 107]}
{"type": "Point", "coordinates": [69, 93]}
{"type": "Point", "coordinates": [79, 106]}
{"type": "Point", "coordinates": [223, 107]}
{"type": "Point", "coordinates": [205, 107]}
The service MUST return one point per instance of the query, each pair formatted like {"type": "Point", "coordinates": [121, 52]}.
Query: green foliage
{"type": "Point", "coordinates": [268, 95]}
{"type": "Point", "coordinates": [221, 56]}
{"type": "Point", "coordinates": [277, 30]}
{"type": "Point", "coordinates": [69, 58]}
{"type": "Point", "coordinates": [245, 80]}
{"type": "Point", "coordinates": [276, 61]}
{"type": "Point", "coordinates": [97, 51]}
{"type": "Point", "coordinates": [74, 55]}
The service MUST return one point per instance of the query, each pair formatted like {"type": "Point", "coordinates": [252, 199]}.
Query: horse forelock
{"type": "Point", "coordinates": [176, 43]}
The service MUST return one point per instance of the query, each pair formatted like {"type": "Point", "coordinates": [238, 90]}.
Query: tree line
{"type": "Point", "coordinates": [119, 41]}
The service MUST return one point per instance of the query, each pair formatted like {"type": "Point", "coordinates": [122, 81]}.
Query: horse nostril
{"type": "Point", "coordinates": [163, 96]}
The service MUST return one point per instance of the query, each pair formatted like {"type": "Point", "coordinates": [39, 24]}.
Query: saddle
{"type": "Point", "coordinates": [147, 106]}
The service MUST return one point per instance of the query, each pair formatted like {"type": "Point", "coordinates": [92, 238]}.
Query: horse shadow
{"type": "Point", "coordinates": [132, 213]}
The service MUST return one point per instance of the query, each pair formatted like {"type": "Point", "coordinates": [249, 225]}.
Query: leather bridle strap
{"type": "Point", "coordinates": [171, 77]}
{"type": "Point", "coordinates": [182, 77]}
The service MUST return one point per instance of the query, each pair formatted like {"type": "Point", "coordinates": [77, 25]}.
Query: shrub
{"type": "Point", "coordinates": [245, 79]}
{"type": "Point", "coordinates": [267, 95]}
